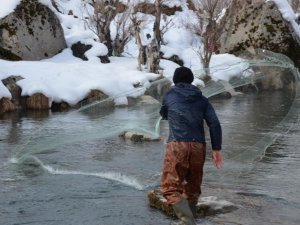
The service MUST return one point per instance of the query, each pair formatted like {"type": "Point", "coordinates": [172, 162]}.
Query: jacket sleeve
{"type": "Point", "coordinates": [214, 125]}
{"type": "Point", "coordinates": [164, 110]}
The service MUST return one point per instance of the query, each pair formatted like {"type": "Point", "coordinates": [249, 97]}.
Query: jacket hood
{"type": "Point", "coordinates": [187, 91]}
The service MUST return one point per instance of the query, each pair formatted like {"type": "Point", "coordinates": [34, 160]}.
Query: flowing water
{"type": "Point", "coordinates": [73, 168]}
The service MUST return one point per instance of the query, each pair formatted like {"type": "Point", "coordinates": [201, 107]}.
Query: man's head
{"type": "Point", "coordinates": [183, 75]}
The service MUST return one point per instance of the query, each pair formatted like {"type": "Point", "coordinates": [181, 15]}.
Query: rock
{"type": "Point", "coordinates": [276, 79]}
{"type": "Point", "coordinates": [206, 206]}
{"type": "Point", "coordinates": [101, 100]}
{"type": "Point", "coordinates": [96, 95]}
{"type": "Point", "coordinates": [14, 89]}
{"type": "Point", "coordinates": [6, 105]}
{"type": "Point", "coordinates": [174, 58]}
{"type": "Point", "coordinates": [223, 88]}
{"type": "Point", "coordinates": [79, 49]}
{"type": "Point", "coordinates": [97, 102]}
{"type": "Point", "coordinates": [159, 87]}
{"type": "Point", "coordinates": [31, 32]}
{"type": "Point", "coordinates": [60, 106]}
{"type": "Point", "coordinates": [149, 8]}
{"type": "Point", "coordinates": [137, 136]}
{"type": "Point", "coordinates": [258, 24]}
{"type": "Point", "coordinates": [142, 100]}
{"type": "Point", "coordinates": [228, 88]}
{"type": "Point", "coordinates": [147, 100]}
{"type": "Point", "coordinates": [37, 101]}
{"type": "Point", "coordinates": [104, 59]}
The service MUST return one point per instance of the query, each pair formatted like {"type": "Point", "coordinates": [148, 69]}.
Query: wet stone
{"type": "Point", "coordinates": [206, 206]}
{"type": "Point", "coordinates": [137, 137]}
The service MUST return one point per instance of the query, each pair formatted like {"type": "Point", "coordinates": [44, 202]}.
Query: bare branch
{"type": "Point", "coordinates": [169, 23]}
{"type": "Point", "coordinates": [124, 30]}
{"type": "Point", "coordinates": [99, 22]}
{"type": "Point", "coordinates": [209, 26]}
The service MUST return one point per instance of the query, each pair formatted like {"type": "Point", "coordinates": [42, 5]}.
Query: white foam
{"type": "Point", "coordinates": [14, 160]}
{"type": "Point", "coordinates": [214, 202]}
{"type": "Point", "coordinates": [119, 177]}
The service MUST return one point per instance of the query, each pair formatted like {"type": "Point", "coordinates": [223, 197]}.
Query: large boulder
{"type": "Point", "coordinates": [258, 24]}
{"type": "Point", "coordinates": [31, 32]}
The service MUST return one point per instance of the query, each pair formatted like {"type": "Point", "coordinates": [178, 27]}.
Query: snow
{"type": "Point", "coordinates": [7, 7]}
{"type": "Point", "coordinates": [67, 78]}
{"type": "Point", "coordinates": [4, 91]}
{"type": "Point", "coordinates": [288, 14]}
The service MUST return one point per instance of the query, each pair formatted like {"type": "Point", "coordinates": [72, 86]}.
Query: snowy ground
{"type": "Point", "coordinates": [67, 78]}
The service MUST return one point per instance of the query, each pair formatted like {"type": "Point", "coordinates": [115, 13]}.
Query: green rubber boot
{"type": "Point", "coordinates": [184, 213]}
{"type": "Point", "coordinates": [193, 207]}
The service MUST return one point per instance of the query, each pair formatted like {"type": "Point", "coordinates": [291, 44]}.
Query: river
{"type": "Point", "coordinates": [73, 169]}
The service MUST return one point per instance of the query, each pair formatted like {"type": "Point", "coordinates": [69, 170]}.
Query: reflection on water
{"type": "Point", "coordinates": [82, 173]}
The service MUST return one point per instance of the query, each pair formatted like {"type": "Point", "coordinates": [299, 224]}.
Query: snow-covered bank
{"type": "Point", "coordinates": [65, 78]}
{"type": "Point", "coordinates": [69, 79]}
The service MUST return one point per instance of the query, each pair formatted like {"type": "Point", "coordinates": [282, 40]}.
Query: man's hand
{"type": "Point", "coordinates": [217, 158]}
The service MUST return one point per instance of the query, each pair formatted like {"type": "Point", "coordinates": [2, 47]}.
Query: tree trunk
{"type": "Point", "coordinates": [207, 75]}
{"type": "Point", "coordinates": [153, 57]}
{"type": "Point", "coordinates": [295, 4]}
{"type": "Point", "coordinates": [154, 48]}
{"type": "Point", "coordinates": [156, 28]}
{"type": "Point", "coordinates": [104, 13]}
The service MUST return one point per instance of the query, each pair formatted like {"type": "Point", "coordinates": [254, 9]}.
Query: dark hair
{"type": "Point", "coordinates": [183, 75]}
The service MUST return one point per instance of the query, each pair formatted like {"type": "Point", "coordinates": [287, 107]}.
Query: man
{"type": "Point", "coordinates": [186, 109]}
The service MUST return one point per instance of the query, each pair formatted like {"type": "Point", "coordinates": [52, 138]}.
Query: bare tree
{"type": "Point", "coordinates": [154, 47]}
{"type": "Point", "coordinates": [104, 13]}
{"type": "Point", "coordinates": [149, 54]}
{"type": "Point", "coordinates": [125, 29]}
{"type": "Point", "coordinates": [168, 24]}
{"type": "Point", "coordinates": [142, 49]}
{"type": "Point", "coordinates": [211, 17]}
{"type": "Point", "coordinates": [153, 57]}
{"type": "Point", "coordinates": [156, 26]}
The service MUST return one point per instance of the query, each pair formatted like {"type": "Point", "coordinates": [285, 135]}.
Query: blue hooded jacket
{"type": "Point", "coordinates": [186, 109]}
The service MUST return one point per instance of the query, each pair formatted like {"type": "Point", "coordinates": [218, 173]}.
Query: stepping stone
{"type": "Point", "coordinates": [207, 206]}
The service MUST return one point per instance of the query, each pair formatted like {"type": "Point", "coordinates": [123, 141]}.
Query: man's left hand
{"type": "Point", "coordinates": [217, 158]}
